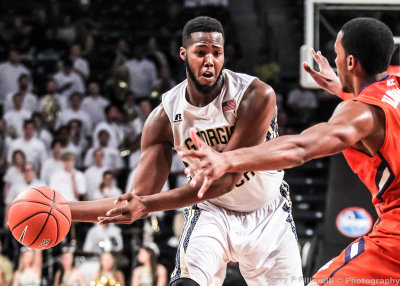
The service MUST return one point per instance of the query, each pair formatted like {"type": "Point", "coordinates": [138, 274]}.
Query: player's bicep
{"type": "Point", "coordinates": [156, 154]}
{"type": "Point", "coordinates": [255, 113]}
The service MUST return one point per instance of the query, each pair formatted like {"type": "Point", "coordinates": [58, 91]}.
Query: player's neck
{"type": "Point", "coordinates": [361, 82]}
{"type": "Point", "coordinates": [198, 98]}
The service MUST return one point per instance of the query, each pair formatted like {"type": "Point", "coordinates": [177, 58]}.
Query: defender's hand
{"type": "Point", "coordinates": [209, 166]}
{"type": "Point", "coordinates": [326, 78]}
{"type": "Point", "coordinates": [131, 209]}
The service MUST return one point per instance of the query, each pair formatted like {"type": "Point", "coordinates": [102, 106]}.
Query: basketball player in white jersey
{"type": "Point", "coordinates": [243, 217]}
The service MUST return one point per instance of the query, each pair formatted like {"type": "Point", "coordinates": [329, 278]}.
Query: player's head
{"type": "Point", "coordinates": [203, 52]}
{"type": "Point", "coordinates": [365, 41]}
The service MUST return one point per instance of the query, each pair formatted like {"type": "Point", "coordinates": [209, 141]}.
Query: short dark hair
{"type": "Point", "coordinates": [200, 24]}
{"type": "Point", "coordinates": [370, 41]}
{"type": "Point", "coordinates": [28, 121]}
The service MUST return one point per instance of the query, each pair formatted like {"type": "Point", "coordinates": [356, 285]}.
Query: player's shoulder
{"type": "Point", "coordinates": [258, 91]}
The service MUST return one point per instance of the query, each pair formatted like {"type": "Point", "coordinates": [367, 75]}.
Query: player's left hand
{"type": "Point", "coordinates": [209, 167]}
{"type": "Point", "coordinates": [131, 209]}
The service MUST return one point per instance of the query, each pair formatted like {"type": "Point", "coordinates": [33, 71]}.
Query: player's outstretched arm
{"type": "Point", "coordinates": [254, 116]}
{"type": "Point", "coordinates": [150, 176]}
{"type": "Point", "coordinates": [326, 78]}
{"type": "Point", "coordinates": [351, 123]}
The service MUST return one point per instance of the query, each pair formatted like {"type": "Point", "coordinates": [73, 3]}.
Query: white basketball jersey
{"type": "Point", "coordinates": [215, 123]}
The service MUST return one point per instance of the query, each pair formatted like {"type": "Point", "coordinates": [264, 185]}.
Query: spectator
{"type": "Point", "coordinates": [52, 103]}
{"type": "Point", "coordinates": [113, 126]}
{"type": "Point", "coordinates": [68, 181]}
{"type": "Point", "coordinates": [143, 74]}
{"type": "Point", "coordinates": [107, 189]}
{"type": "Point", "coordinates": [68, 274]}
{"type": "Point", "coordinates": [41, 132]}
{"type": "Point", "coordinates": [66, 32]}
{"type": "Point", "coordinates": [103, 238]}
{"type": "Point", "coordinates": [29, 100]}
{"type": "Point", "coordinates": [302, 102]}
{"type": "Point", "coordinates": [109, 271]}
{"type": "Point", "coordinates": [150, 272]}
{"type": "Point", "coordinates": [5, 268]}
{"type": "Point", "coordinates": [112, 158]}
{"type": "Point", "coordinates": [68, 81]}
{"type": "Point", "coordinates": [15, 172]}
{"type": "Point", "coordinates": [94, 174]}
{"type": "Point", "coordinates": [81, 65]}
{"type": "Point", "coordinates": [9, 74]}
{"type": "Point", "coordinates": [28, 181]}
{"type": "Point", "coordinates": [53, 163]}
{"type": "Point", "coordinates": [5, 142]}
{"type": "Point", "coordinates": [16, 116]}
{"type": "Point", "coordinates": [94, 104]}
{"type": "Point", "coordinates": [34, 149]}
{"type": "Point", "coordinates": [29, 270]}
{"type": "Point", "coordinates": [76, 112]}
{"type": "Point", "coordinates": [67, 138]}
{"type": "Point", "coordinates": [78, 142]}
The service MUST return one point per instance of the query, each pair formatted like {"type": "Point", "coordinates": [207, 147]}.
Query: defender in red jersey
{"type": "Point", "coordinates": [365, 127]}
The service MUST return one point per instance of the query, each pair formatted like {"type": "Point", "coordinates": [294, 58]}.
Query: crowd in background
{"type": "Point", "coordinates": [75, 91]}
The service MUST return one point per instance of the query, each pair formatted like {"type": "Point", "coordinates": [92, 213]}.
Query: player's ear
{"type": "Point", "coordinates": [182, 53]}
{"type": "Point", "coordinates": [350, 62]}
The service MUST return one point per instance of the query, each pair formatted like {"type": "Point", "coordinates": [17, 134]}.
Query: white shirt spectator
{"type": "Point", "coordinates": [34, 150]}
{"type": "Point", "coordinates": [15, 120]}
{"type": "Point", "coordinates": [143, 75]}
{"type": "Point", "coordinates": [93, 176]}
{"type": "Point", "coordinates": [116, 132]}
{"type": "Point", "coordinates": [49, 167]}
{"type": "Point", "coordinates": [77, 151]}
{"type": "Point", "coordinates": [109, 234]}
{"type": "Point", "coordinates": [69, 114]}
{"type": "Point", "coordinates": [17, 188]}
{"type": "Point", "coordinates": [111, 192]}
{"type": "Point", "coordinates": [30, 101]}
{"type": "Point", "coordinates": [94, 106]}
{"type": "Point", "coordinates": [302, 98]}
{"type": "Point", "coordinates": [13, 176]}
{"type": "Point", "coordinates": [62, 182]}
{"type": "Point", "coordinates": [45, 136]}
{"type": "Point", "coordinates": [134, 159]}
{"type": "Point", "coordinates": [47, 99]}
{"type": "Point", "coordinates": [112, 158]}
{"type": "Point", "coordinates": [9, 75]}
{"type": "Point", "coordinates": [74, 79]}
{"type": "Point", "coordinates": [82, 65]}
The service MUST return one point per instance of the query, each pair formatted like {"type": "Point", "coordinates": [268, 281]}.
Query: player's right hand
{"type": "Point", "coordinates": [209, 167]}
{"type": "Point", "coordinates": [131, 209]}
{"type": "Point", "coordinates": [326, 78]}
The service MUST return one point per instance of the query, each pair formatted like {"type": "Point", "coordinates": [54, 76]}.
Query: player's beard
{"type": "Point", "coordinates": [204, 89]}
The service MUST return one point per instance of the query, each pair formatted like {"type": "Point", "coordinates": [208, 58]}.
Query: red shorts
{"type": "Point", "coordinates": [370, 260]}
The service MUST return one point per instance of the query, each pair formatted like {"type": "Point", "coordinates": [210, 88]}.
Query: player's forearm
{"type": "Point", "coordinates": [89, 211]}
{"type": "Point", "coordinates": [187, 195]}
{"type": "Point", "coordinates": [280, 154]}
{"type": "Point", "coordinates": [290, 150]}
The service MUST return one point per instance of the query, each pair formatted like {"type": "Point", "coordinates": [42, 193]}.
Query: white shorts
{"type": "Point", "coordinates": [264, 243]}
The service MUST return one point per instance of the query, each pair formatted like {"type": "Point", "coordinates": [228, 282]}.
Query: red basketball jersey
{"type": "Point", "coordinates": [381, 173]}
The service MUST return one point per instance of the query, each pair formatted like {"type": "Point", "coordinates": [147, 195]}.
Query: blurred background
{"type": "Point", "coordinates": [77, 81]}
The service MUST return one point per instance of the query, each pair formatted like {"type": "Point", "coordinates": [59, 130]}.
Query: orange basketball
{"type": "Point", "coordinates": [39, 217]}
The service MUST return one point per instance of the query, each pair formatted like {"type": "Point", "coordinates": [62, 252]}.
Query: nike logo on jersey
{"type": "Point", "coordinates": [178, 118]}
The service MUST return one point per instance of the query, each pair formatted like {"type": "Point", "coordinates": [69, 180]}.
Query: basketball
{"type": "Point", "coordinates": [39, 218]}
